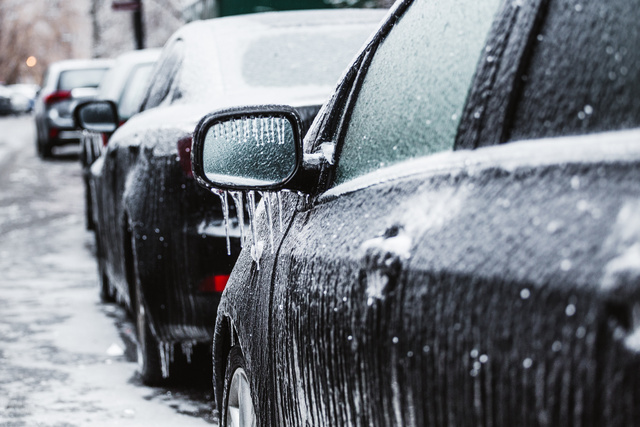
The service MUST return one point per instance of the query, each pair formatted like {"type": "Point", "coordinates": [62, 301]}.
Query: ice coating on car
{"type": "Point", "coordinates": [238, 200]}
{"type": "Point", "coordinates": [156, 225]}
{"type": "Point", "coordinates": [267, 197]}
{"type": "Point", "coordinates": [254, 139]}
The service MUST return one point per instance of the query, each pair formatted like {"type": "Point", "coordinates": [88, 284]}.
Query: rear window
{"type": "Point", "coordinates": [318, 59]}
{"type": "Point", "coordinates": [292, 57]}
{"type": "Point", "coordinates": [72, 79]}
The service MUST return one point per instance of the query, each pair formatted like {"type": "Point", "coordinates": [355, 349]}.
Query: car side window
{"type": "Point", "coordinates": [133, 91]}
{"type": "Point", "coordinates": [411, 99]}
{"type": "Point", "coordinates": [164, 75]}
{"type": "Point", "coordinates": [599, 38]}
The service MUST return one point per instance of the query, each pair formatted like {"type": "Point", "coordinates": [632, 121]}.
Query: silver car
{"type": "Point", "coordinates": [65, 84]}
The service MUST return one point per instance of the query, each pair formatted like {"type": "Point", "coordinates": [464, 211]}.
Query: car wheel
{"type": "Point", "coordinates": [88, 211]}
{"type": "Point", "coordinates": [107, 294]}
{"type": "Point", "coordinates": [44, 149]}
{"type": "Point", "coordinates": [148, 347]}
{"type": "Point", "coordinates": [238, 410]}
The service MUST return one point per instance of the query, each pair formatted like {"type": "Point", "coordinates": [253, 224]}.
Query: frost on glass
{"type": "Point", "coordinates": [252, 151]}
{"type": "Point", "coordinates": [306, 58]}
{"type": "Point", "coordinates": [413, 94]}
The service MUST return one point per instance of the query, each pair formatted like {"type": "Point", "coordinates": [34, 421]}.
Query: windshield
{"type": "Point", "coordinates": [316, 56]}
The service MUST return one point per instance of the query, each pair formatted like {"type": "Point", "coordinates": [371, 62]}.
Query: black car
{"type": "Point", "coordinates": [124, 85]}
{"type": "Point", "coordinates": [460, 236]}
{"type": "Point", "coordinates": [162, 249]}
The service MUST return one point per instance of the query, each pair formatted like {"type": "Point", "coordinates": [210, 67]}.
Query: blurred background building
{"type": "Point", "coordinates": [35, 33]}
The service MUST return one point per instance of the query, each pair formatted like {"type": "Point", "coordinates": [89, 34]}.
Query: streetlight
{"type": "Point", "coordinates": [31, 61]}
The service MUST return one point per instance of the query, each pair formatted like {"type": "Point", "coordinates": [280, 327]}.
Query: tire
{"type": "Point", "coordinates": [237, 409]}
{"type": "Point", "coordinates": [148, 347]}
{"type": "Point", "coordinates": [107, 294]}
{"type": "Point", "coordinates": [88, 208]}
{"type": "Point", "coordinates": [44, 149]}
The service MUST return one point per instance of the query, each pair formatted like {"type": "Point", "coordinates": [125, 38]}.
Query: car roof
{"type": "Point", "coordinates": [76, 64]}
{"type": "Point", "coordinates": [138, 56]}
{"type": "Point", "coordinates": [258, 22]}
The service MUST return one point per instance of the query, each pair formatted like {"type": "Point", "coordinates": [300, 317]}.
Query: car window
{"type": "Point", "coordinates": [164, 75]}
{"type": "Point", "coordinates": [296, 56]}
{"type": "Point", "coordinates": [134, 90]}
{"type": "Point", "coordinates": [600, 39]}
{"type": "Point", "coordinates": [412, 97]}
{"type": "Point", "coordinates": [283, 60]}
{"type": "Point", "coordinates": [72, 79]}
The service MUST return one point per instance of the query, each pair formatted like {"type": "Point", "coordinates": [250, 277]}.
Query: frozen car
{"type": "Point", "coordinates": [162, 246]}
{"type": "Point", "coordinates": [23, 96]}
{"type": "Point", "coordinates": [465, 249]}
{"type": "Point", "coordinates": [124, 85]}
{"type": "Point", "coordinates": [65, 83]}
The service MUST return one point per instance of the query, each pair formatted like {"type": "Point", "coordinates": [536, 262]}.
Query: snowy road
{"type": "Point", "coordinates": [65, 358]}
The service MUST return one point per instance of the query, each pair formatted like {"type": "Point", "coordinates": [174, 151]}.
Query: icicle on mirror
{"type": "Point", "coordinates": [250, 151]}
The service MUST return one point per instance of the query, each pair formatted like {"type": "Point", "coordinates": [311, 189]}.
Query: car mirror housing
{"type": "Point", "coordinates": [97, 116]}
{"type": "Point", "coordinates": [249, 148]}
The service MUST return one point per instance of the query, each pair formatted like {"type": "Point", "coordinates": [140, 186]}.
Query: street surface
{"type": "Point", "coordinates": [66, 359]}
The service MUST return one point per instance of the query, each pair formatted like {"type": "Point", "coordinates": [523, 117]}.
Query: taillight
{"type": "Point", "coordinates": [184, 151]}
{"type": "Point", "coordinates": [53, 133]}
{"type": "Point", "coordinates": [215, 283]}
{"type": "Point", "coordinates": [58, 96]}
{"type": "Point", "coordinates": [105, 139]}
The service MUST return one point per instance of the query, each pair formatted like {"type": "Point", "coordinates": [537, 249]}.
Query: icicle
{"type": "Point", "coordinates": [238, 200]}
{"type": "Point", "coordinates": [187, 349]}
{"type": "Point", "coordinates": [281, 131]}
{"type": "Point", "coordinates": [261, 132]}
{"type": "Point", "coordinates": [166, 357]}
{"type": "Point", "coordinates": [225, 207]}
{"type": "Point", "coordinates": [225, 211]}
{"type": "Point", "coordinates": [279, 197]}
{"type": "Point", "coordinates": [269, 209]}
{"type": "Point", "coordinates": [256, 250]}
{"type": "Point", "coordinates": [255, 131]}
{"type": "Point", "coordinates": [272, 132]}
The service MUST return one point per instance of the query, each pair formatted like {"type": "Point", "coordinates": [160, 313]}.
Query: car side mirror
{"type": "Point", "coordinates": [97, 116]}
{"type": "Point", "coordinates": [249, 148]}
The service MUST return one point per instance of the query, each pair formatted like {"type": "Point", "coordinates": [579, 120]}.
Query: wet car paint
{"type": "Point", "coordinates": [491, 287]}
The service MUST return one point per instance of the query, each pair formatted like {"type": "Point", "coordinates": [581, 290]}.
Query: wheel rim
{"type": "Point", "coordinates": [240, 411]}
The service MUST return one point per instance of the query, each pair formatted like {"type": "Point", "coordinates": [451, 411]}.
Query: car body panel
{"type": "Point", "coordinates": [424, 285]}
{"type": "Point", "coordinates": [486, 287]}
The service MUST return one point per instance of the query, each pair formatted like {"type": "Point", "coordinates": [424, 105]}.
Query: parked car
{"type": "Point", "coordinates": [124, 85]}
{"type": "Point", "coordinates": [467, 251]}
{"type": "Point", "coordinates": [161, 239]}
{"type": "Point", "coordinates": [23, 97]}
{"type": "Point", "coordinates": [5, 101]}
{"type": "Point", "coordinates": [65, 83]}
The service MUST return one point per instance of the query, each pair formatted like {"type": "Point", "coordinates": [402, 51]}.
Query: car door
{"type": "Point", "coordinates": [344, 320]}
